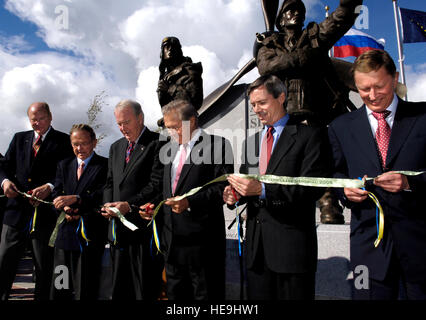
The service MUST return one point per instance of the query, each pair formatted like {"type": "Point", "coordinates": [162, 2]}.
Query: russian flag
{"type": "Point", "coordinates": [355, 42]}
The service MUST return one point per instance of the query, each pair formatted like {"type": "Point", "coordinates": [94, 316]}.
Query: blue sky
{"type": "Point", "coordinates": [381, 25]}
{"type": "Point", "coordinates": [113, 46]}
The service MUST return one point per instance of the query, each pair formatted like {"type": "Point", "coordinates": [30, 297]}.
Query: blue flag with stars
{"type": "Point", "coordinates": [413, 25]}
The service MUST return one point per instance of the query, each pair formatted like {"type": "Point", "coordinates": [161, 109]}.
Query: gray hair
{"type": "Point", "coordinates": [136, 107]}
{"type": "Point", "coordinates": [183, 108]}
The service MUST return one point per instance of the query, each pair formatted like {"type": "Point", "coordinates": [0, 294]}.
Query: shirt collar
{"type": "Point", "coordinates": [137, 139]}
{"type": "Point", "coordinates": [86, 161]}
{"type": "Point", "coordinates": [43, 136]}
{"type": "Point", "coordinates": [280, 124]}
{"type": "Point", "coordinates": [392, 107]}
{"type": "Point", "coordinates": [195, 136]}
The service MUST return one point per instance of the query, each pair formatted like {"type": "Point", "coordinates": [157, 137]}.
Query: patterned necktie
{"type": "Point", "coordinates": [129, 151]}
{"type": "Point", "coordinates": [182, 160]}
{"type": "Point", "coordinates": [36, 145]}
{"type": "Point", "coordinates": [383, 134]}
{"type": "Point", "coordinates": [265, 153]}
{"type": "Point", "coordinates": [80, 170]}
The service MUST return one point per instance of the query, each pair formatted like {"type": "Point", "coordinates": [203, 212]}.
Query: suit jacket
{"type": "Point", "coordinates": [355, 155]}
{"type": "Point", "coordinates": [137, 182]}
{"type": "Point", "coordinates": [28, 173]}
{"type": "Point", "coordinates": [285, 222]}
{"type": "Point", "coordinates": [197, 234]}
{"type": "Point", "coordinates": [90, 188]}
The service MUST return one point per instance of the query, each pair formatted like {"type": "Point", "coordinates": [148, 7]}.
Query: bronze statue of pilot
{"type": "Point", "coordinates": [299, 57]}
{"type": "Point", "coordinates": [180, 78]}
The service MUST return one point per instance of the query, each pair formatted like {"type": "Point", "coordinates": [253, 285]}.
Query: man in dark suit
{"type": "Point", "coordinates": [385, 135]}
{"type": "Point", "coordinates": [281, 234]}
{"type": "Point", "coordinates": [30, 166]}
{"type": "Point", "coordinates": [134, 177]}
{"type": "Point", "coordinates": [82, 234]}
{"type": "Point", "coordinates": [193, 229]}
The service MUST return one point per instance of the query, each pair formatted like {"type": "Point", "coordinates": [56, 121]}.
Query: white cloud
{"type": "Point", "coordinates": [114, 46]}
{"type": "Point", "coordinates": [416, 82]}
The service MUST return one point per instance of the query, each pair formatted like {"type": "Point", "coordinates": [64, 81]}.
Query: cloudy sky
{"type": "Point", "coordinates": [67, 51]}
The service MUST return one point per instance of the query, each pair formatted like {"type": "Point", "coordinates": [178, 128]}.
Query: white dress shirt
{"type": "Point", "coordinates": [189, 145]}
{"type": "Point", "coordinates": [389, 119]}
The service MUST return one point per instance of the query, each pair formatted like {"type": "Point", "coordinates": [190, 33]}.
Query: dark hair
{"type": "Point", "coordinates": [184, 109]}
{"type": "Point", "coordinates": [373, 60]}
{"type": "Point", "coordinates": [84, 127]}
{"type": "Point", "coordinates": [272, 83]}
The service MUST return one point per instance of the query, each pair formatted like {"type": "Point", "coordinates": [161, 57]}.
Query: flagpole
{"type": "Point", "coordinates": [330, 52]}
{"type": "Point", "coordinates": [398, 36]}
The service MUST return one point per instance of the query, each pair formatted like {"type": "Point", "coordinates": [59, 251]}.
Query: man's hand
{"type": "Point", "coordinates": [178, 206]}
{"type": "Point", "coordinates": [42, 192]}
{"type": "Point", "coordinates": [71, 217]}
{"type": "Point", "coordinates": [70, 214]}
{"type": "Point", "coordinates": [62, 201]}
{"type": "Point", "coordinates": [392, 182]}
{"type": "Point", "coordinates": [146, 211]}
{"type": "Point", "coordinates": [10, 189]}
{"type": "Point", "coordinates": [122, 206]}
{"type": "Point", "coordinates": [355, 194]}
{"type": "Point", "coordinates": [245, 187]}
{"type": "Point", "coordinates": [229, 196]}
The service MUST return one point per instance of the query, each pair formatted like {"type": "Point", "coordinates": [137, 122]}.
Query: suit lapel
{"type": "Point", "coordinates": [48, 142]}
{"type": "Point", "coordinates": [361, 131]}
{"type": "Point", "coordinates": [120, 158]}
{"type": "Point", "coordinates": [282, 146]}
{"type": "Point", "coordinates": [187, 166]}
{"type": "Point", "coordinates": [174, 147]}
{"type": "Point", "coordinates": [401, 128]}
{"type": "Point", "coordinates": [28, 149]}
{"type": "Point", "coordinates": [72, 175]}
{"type": "Point", "coordinates": [137, 152]}
{"type": "Point", "coordinates": [91, 169]}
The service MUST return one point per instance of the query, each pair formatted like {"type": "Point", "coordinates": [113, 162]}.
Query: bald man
{"type": "Point", "coordinates": [30, 166]}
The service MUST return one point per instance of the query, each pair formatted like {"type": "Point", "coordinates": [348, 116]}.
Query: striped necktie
{"type": "Point", "coordinates": [129, 151]}
{"type": "Point", "coordinates": [36, 145]}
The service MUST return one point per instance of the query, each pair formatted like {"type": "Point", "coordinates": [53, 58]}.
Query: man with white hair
{"type": "Point", "coordinates": [134, 175]}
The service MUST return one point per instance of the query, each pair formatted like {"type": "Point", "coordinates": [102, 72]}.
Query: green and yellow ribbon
{"type": "Point", "coordinates": [33, 220]}
{"type": "Point", "coordinates": [299, 181]}
{"type": "Point", "coordinates": [381, 225]}
{"type": "Point", "coordinates": [54, 234]}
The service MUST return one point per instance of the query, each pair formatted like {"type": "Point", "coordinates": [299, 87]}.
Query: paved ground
{"type": "Point", "coordinates": [23, 287]}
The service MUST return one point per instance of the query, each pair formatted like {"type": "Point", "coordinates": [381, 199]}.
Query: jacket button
{"type": "Point", "coordinates": [257, 220]}
{"type": "Point", "coordinates": [29, 179]}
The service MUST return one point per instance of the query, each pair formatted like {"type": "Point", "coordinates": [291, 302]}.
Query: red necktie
{"type": "Point", "coordinates": [129, 151]}
{"type": "Point", "coordinates": [80, 170]}
{"type": "Point", "coordinates": [182, 160]}
{"type": "Point", "coordinates": [383, 134]}
{"type": "Point", "coordinates": [36, 145]}
{"type": "Point", "coordinates": [265, 152]}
